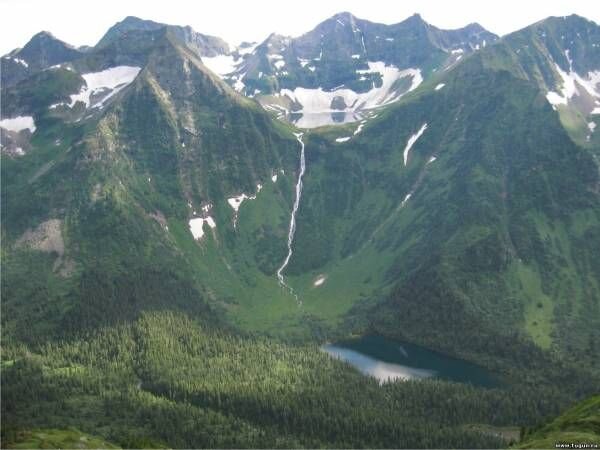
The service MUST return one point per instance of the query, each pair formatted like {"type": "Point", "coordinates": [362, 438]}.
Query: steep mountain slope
{"type": "Point", "coordinates": [562, 56]}
{"type": "Point", "coordinates": [100, 205]}
{"type": "Point", "coordinates": [41, 52]}
{"type": "Point", "coordinates": [467, 225]}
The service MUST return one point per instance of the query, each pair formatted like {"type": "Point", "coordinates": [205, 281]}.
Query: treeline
{"type": "Point", "coordinates": [164, 380]}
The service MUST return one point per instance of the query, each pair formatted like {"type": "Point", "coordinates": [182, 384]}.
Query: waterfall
{"type": "Point", "coordinates": [292, 229]}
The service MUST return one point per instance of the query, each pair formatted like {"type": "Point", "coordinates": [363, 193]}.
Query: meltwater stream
{"type": "Point", "coordinates": [292, 230]}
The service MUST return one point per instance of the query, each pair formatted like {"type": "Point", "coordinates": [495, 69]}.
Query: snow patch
{"type": "Point", "coordinates": [235, 202]}
{"type": "Point", "coordinates": [197, 226]}
{"type": "Point", "coordinates": [343, 139]}
{"type": "Point", "coordinates": [432, 159]}
{"type": "Point", "coordinates": [591, 126]}
{"type": "Point", "coordinates": [439, 86]}
{"type": "Point", "coordinates": [21, 61]}
{"type": "Point", "coordinates": [320, 280]}
{"type": "Point", "coordinates": [239, 84]}
{"type": "Point", "coordinates": [356, 56]}
{"type": "Point", "coordinates": [274, 178]}
{"type": "Point", "coordinates": [247, 50]}
{"type": "Point", "coordinates": [279, 64]}
{"type": "Point", "coordinates": [412, 140]}
{"type": "Point", "coordinates": [18, 123]}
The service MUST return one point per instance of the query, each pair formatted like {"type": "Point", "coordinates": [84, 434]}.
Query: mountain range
{"type": "Point", "coordinates": [440, 187]}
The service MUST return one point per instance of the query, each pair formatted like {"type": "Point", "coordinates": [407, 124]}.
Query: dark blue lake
{"type": "Point", "coordinates": [389, 360]}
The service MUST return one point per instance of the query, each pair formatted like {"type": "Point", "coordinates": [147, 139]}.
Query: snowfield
{"type": "Point", "coordinates": [19, 123]}
{"type": "Point", "coordinates": [570, 83]}
{"type": "Point", "coordinates": [319, 101]}
{"type": "Point", "coordinates": [220, 64]}
{"type": "Point", "coordinates": [108, 82]}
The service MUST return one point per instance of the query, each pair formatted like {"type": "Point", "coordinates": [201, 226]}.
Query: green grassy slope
{"type": "Point", "coordinates": [578, 425]}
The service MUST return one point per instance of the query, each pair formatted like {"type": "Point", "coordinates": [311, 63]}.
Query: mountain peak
{"type": "Point", "coordinates": [43, 34]}
{"type": "Point", "coordinates": [45, 37]}
{"type": "Point", "coordinates": [44, 42]}
{"type": "Point", "coordinates": [133, 19]}
{"type": "Point", "coordinates": [343, 15]}
{"type": "Point", "coordinates": [474, 26]}
{"type": "Point", "coordinates": [416, 18]}
{"type": "Point", "coordinates": [43, 50]}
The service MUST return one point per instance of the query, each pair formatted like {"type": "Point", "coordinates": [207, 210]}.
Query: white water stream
{"type": "Point", "coordinates": [292, 230]}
